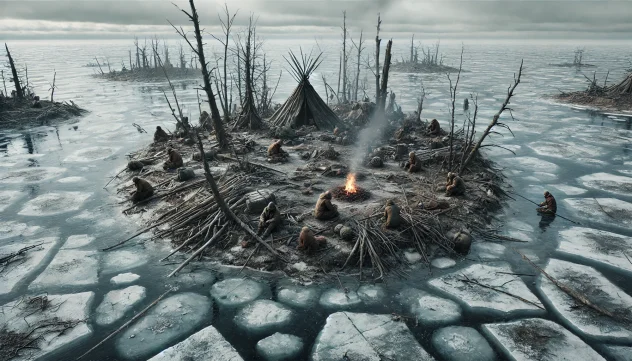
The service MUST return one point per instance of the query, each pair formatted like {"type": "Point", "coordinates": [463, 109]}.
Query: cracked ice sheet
{"type": "Point", "coordinates": [600, 246]}
{"type": "Point", "coordinates": [69, 268]}
{"type": "Point", "coordinates": [608, 182]}
{"type": "Point", "coordinates": [608, 211]}
{"type": "Point", "coordinates": [207, 344]}
{"type": "Point", "coordinates": [486, 301]}
{"type": "Point", "coordinates": [366, 337]}
{"type": "Point", "coordinates": [13, 229]}
{"type": "Point", "coordinates": [31, 263]}
{"type": "Point", "coordinates": [32, 175]}
{"type": "Point", "coordinates": [17, 316]}
{"type": "Point", "coordinates": [7, 198]}
{"type": "Point", "coordinates": [536, 339]}
{"type": "Point", "coordinates": [599, 290]}
{"type": "Point", "coordinates": [54, 203]}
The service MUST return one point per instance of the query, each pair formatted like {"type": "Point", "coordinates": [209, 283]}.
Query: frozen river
{"type": "Point", "coordinates": [52, 195]}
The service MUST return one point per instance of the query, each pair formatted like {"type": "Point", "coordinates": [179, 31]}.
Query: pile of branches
{"type": "Point", "coordinates": [20, 111]}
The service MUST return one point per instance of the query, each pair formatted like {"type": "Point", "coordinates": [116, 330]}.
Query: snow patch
{"type": "Point", "coordinates": [32, 175]}
{"type": "Point", "coordinates": [608, 182]}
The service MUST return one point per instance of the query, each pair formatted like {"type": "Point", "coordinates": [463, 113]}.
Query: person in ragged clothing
{"type": "Point", "coordinates": [549, 206]}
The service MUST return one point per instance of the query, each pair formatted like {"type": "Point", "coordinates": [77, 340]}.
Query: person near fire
{"type": "Point", "coordinates": [324, 208]}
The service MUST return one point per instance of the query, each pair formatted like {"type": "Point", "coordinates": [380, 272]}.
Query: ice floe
{"type": "Point", "coordinates": [32, 175]}
{"type": "Point", "coordinates": [91, 154]}
{"type": "Point", "coordinates": [280, 347]}
{"type": "Point", "coordinates": [78, 240]}
{"type": "Point", "coordinates": [69, 268]}
{"type": "Point", "coordinates": [27, 315]}
{"type": "Point", "coordinates": [610, 211]}
{"type": "Point", "coordinates": [412, 257]}
{"type": "Point", "coordinates": [483, 300]}
{"type": "Point", "coordinates": [7, 198]}
{"type": "Point", "coordinates": [608, 182]}
{"type": "Point", "coordinates": [337, 299]}
{"type": "Point", "coordinates": [297, 296]}
{"type": "Point", "coordinates": [532, 164]}
{"type": "Point", "coordinates": [116, 303]}
{"type": "Point", "coordinates": [430, 310]}
{"type": "Point", "coordinates": [619, 353]}
{"type": "Point", "coordinates": [71, 180]}
{"type": "Point", "coordinates": [124, 279]}
{"type": "Point", "coordinates": [366, 337]}
{"type": "Point", "coordinates": [28, 264]}
{"type": "Point", "coordinates": [207, 344]}
{"type": "Point", "coordinates": [568, 190]}
{"type": "Point", "coordinates": [169, 320]}
{"type": "Point", "coordinates": [371, 294]}
{"type": "Point", "coordinates": [54, 203]}
{"type": "Point", "coordinates": [443, 263]}
{"type": "Point", "coordinates": [601, 246]}
{"type": "Point", "coordinates": [234, 292]}
{"type": "Point", "coordinates": [263, 317]}
{"type": "Point", "coordinates": [123, 260]}
{"type": "Point", "coordinates": [536, 339]}
{"type": "Point", "coordinates": [12, 229]}
{"type": "Point", "coordinates": [487, 250]}
{"type": "Point", "coordinates": [599, 290]}
{"type": "Point", "coordinates": [457, 343]}
{"type": "Point", "coordinates": [565, 150]}
{"type": "Point", "coordinates": [195, 278]}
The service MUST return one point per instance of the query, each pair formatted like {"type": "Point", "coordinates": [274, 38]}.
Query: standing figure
{"type": "Point", "coordinates": [160, 135]}
{"type": "Point", "coordinates": [413, 165]}
{"type": "Point", "coordinates": [391, 213]}
{"type": "Point", "coordinates": [455, 185]}
{"type": "Point", "coordinates": [308, 241]}
{"type": "Point", "coordinates": [549, 206]}
{"type": "Point", "coordinates": [175, 160]}
{"type": "Point", "coordinates": [434, 128]}
{"type": "Point", "coordinates": [324, 208]}
{"type": "Point", "coordinates": [144, 190]}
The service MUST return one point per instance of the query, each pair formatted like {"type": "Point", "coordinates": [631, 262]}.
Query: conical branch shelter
{"type": "Point", "coordinates": [304, 106]}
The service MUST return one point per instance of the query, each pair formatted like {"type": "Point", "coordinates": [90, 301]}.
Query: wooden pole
{"type": "Point", "coordinates": [387, 65]}
{"type": "Point", "coordinates": [18, 89]}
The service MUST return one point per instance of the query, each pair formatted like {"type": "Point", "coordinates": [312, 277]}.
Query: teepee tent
{"type": "Point", "coordinates": [304, 106]}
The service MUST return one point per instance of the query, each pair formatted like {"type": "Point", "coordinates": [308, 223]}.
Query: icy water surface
{"type": "Point", "coordinates": [52, 193]}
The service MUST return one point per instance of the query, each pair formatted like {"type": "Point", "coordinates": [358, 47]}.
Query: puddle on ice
{"type": "Point", "coordinates": [17, 271]}
{"type": "Point", "coordinates": [31, 175]}
{"type": "Point", "coordinates": [430, 310]}
{"type": "Point", "coordinates": [462, 344]}
{"type": "Point", "coordinates": [26, 315]}
{"type": "Point", "coordinates": [69, 268]}
{"type": "Point", "coordinates": [599, 290]}
{"type": "Point", "coordinates": [202, 345]}
{"type": "Point", "coordinates": [91, 154]}
{"type": "Point", "coordinates": [263, 317]}
{"type": "Point", "coordinates": [598, 246]}
{"type": "Point", "coordinates": [608, 211]}
{"type": "Point", "coordinates": [116, 303]}
{"type": "Point", "coordinates": [280, 347]}
{"type": "Point", "coordinates": [170, 319]}
{"type": "Point", "coordinates": [7, 198]}
{"type": "Point", "coordinates": [481, 300]}
{"type": "Point", "coordinates": [608, 182]}
{"type": "Point", "coordinates": [536, 339]}
{"type": "Point", "coordinates": [54, 203]}
{"type": "Point", "coordinates": [363, 336]}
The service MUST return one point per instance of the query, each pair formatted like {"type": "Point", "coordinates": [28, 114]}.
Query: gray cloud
{"type": "Point", "coordinates": [449, 18]}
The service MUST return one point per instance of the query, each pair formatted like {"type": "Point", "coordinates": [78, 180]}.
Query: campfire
{"type": "Point", "coordinates": [350, 192]}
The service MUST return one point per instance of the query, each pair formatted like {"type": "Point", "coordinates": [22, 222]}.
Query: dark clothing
{"type": "Point", "coordinates": [549, 205]}
{"type": "Point", "coordinates": [456, 187]}
{"type": "Point", "coordinates": [325, 209]}
{"type": "Point", "coordinates": [269, 219]}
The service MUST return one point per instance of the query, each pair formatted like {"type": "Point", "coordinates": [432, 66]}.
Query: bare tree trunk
{"type": "Point", "coordinates": [339, 75]}
{"type": "Point", "coordinates": [249, 118]}
{"type": "Point", "coordinates": [420, 102]}
{"type": "Point", "coordinates": [137, 53]}
{"type": "Point", "coordinates": [18, 88]}
{"type": "Point", "coordinates": [239, 88]}
{"type": "Point", "coordinates": [52, 88]}
{"type": "Point", "coordinates": [357, 79]}
{"type": "Point", "coordinates": [453, 91]}
{"type": "Point", "coordinates": [378, 41]}
{"type": "Point", "coordinates": [384, 87]}
{"type": "Point", "coordinates": [129, 52]}
{"type": "Point", "coordinates": [226, 26]}
{"type": "Point", "coordinates": [494, 121]}
{"type": "Point", "coordinates": [4, 84]}
{"type": "Point", "coordinates": [412, 49]}
{"type": "Point", "coordinates": [344, 56]}
{"type": "Point", "coordinates": [99, 65]}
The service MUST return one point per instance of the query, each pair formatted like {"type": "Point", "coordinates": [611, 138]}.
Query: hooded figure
{"type": "Point", "coordinates": [160, 135]}
{"type": "Point", "coordinates": [175, 160]}
{"type": "Point", "coordinates": [455, 185]}
{"type": "Point", "coordinates": [308, 241]}
{"type": "Point", "coordinates": [391, 213]}
{"type": "Point", "coordinates": [269, 218]}
{"type": "Point", "coordinates": [144, 190]}
{"type": "Point", "coordinates": [434, 128]}
{"type": "Point", "coordinates": [324, 208]}
{"type": "Point", "coordinates": [549, 206]}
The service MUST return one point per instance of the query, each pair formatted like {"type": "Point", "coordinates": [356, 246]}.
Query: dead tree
{"type": "Point", "coordinates": [226, 26]}
{"type": "Point", "coordinates": [220, 132]}
{"type": "Point", "coordinates": [182, 122]}
{"type": "Point", "coordinates": [344, 56]}
{"type": "Point", "coordinates": [420, 102]}
{"type": "Point", "coordinates": [378, 41]}
{"type": "Point", "coordinates": [453, 91]}
{"type": "Point", "coordinates": [52, 87]}
{"type": "Point", "coordinates": [129, 52]}
{"type": "Point", "coordinates": [384, 87]}
{"type": "Point", "coordinates": [470, 132]}
{"type": "Point", "coordinates": [239, 84]}
{"type": "Point", "coordinates": [249, 116]}
{"type": "Point", "coordinates": [412, 49]}
{"type": "Point", "coordinates": [183, 63]}
{"type": "Point", "coordinates": [494, 122]}
{"type": "Point", "coordinates": [360, 48]}
{"type": "Point", "coordinates": [4, 84]}
{"type": "Point", "coordinates": [19, 92]}
{"type": "Point", "coordinates": [137, 53]}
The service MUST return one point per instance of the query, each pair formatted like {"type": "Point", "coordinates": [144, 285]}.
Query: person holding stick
{"type": "Point", "coordinates": [549, 206]}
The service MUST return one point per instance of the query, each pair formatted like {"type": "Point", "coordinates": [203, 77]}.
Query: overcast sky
{"type": "Point", "coordinates": [445, 19]}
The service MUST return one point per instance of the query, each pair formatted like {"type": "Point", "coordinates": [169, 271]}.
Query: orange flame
{"type": "Point", "coordinates": [350, 185]}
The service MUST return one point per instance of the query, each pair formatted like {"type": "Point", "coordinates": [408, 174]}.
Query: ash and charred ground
{"type": "Point", "coordinates": [297, 184]}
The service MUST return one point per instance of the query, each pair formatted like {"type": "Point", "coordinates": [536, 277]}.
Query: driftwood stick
{"type": "Point", "coordinates": [475, 282]}
{"type": "Point", "coordinates": [251, 163]}
{"type": "Point", "coordinates": [138, 315]}
{"type": "Point", "coordinates": [200, 250]}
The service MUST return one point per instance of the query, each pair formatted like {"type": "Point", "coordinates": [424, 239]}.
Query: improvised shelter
{"type": "Point", "coordinates": [304, 106]}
